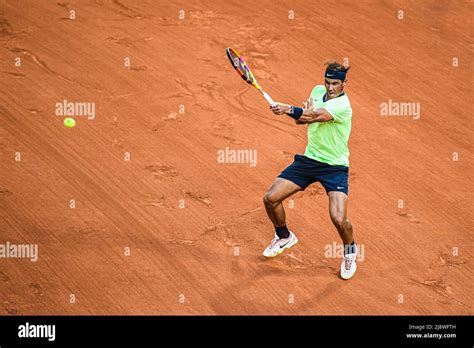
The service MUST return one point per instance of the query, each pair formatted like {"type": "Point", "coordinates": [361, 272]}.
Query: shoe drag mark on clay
{"type": "Point", "coordinates": [209, 88]}
{"type": "Point", "coordinates": [447, 260]}
{"type": "Point", "coordinates": [326, 266]}
{"type": "Point", "coordinates": [159, 202]}
{"type": "Point", "coordinates": [36, 289]}
{"type": "Point", "coordinates": [439, 287]}
{"type": "Point", "coordinates": [234, 141]}
{"type": "Point", "coordinates": [126, 11]}
{"type": "Point", "coordinates": [10, 307]}
{"type": "Point", "coordinates": [14, 74]}
{"type": "Point", "coordinates": [199, 197]}
{"type": "Point", "coordinates": [38, 61]}
{"type": "Point", "coordinates": [4, 277]}
{"type": "Point", "coordinates": [172, 116]}
{"type": "Point", "coordinates": [225, 123]}
{"type": "Point", "coordinates": [138, 68]}
{"type": "Point", "coordinates": [5, 27]}
{"type": "Point", "coordinates": [250, 211]}
{"type": "Point", "coordinates": [218, 230]}
{"type": "Point", "coordinates": [162, 171]}
{"type": "Point", "coordinates": [295, 261]}
{"type": "Point", "coordinates": [181, 241]}
{"type": "Point", "coordinates": [4, 191]}
{"type": "Point", "coordinates": [412, 219]}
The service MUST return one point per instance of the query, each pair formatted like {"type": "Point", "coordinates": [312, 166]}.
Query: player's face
{"type": "Point", "coordinates": [334, 87]}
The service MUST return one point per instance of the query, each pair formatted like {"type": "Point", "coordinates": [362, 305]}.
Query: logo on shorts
{"type": "Point", "coordinates": [340, 187]}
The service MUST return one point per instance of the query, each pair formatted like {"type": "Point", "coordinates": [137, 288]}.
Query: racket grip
{"type": "Point", "coordinates": [268, 99]}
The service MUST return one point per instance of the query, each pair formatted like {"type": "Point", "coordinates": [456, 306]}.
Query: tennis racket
{"type": "Point", "coordinates": [243, 70]}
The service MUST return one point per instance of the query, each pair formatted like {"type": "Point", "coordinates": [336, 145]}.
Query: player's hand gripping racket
{"type": "Point", "coordinates": [244, 71]}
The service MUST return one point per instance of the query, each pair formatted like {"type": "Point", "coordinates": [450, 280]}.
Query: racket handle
{"type": "Point", "coordinates": [268, 99]}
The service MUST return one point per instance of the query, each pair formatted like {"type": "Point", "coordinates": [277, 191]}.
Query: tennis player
{"type": "Point", "coordinates": [328, 114]}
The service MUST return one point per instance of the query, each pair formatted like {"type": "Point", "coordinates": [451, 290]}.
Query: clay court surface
{"type": "Point", "coordinates": [179, 103]}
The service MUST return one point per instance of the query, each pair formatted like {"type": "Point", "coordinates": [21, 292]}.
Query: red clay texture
{"type": "Point", "coordinates": [132, 211]}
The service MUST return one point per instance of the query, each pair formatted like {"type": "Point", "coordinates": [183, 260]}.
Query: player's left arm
{"type": "Point", "coordinates": [315, 115]}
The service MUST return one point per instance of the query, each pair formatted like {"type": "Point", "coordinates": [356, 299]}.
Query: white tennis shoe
{"type": "Point", "coordinates": [349, 265]}
{"type": "Point", "coordinates": [278, 245]}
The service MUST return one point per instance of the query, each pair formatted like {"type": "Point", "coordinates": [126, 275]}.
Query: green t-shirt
{"type": "Point", "coordinates": [327, 141]}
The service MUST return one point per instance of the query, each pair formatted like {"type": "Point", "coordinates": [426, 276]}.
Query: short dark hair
{"type": "Point", "coordinates": [335, 66]}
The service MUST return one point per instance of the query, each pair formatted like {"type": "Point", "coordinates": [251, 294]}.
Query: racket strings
{"type": "Point", "coordinates": [245, 73]}
{"type": "Point", "coordinates": [241, 66]}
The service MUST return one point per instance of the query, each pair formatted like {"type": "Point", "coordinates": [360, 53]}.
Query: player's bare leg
{"type": "Point", "coordinates": [275, 195]}
{"type": "Point", "coordinates": [273, 200]}
{"type": "Point", "coordinates": [338, 213]}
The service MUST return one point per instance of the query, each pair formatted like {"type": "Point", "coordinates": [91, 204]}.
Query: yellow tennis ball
{"type": "Point", "coordinates": [69, 122]}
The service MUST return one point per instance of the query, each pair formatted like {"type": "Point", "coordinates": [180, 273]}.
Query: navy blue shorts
{"type": "Point", "coordinates": [304, 171]}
